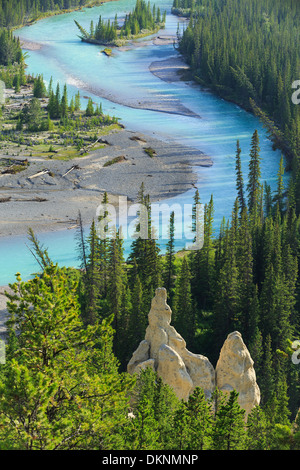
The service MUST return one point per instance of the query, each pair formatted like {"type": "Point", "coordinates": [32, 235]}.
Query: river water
{"type": "Point", "coordinates": [125, 77]}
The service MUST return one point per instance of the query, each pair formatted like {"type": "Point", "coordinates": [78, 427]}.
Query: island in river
{"type": "Point", "coordinates": [141, 22]}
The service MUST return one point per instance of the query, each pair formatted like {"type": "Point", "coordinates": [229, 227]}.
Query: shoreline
{"type": "Point", "coordinates": [50, 14]}
{"type": "Point", "coordinates": [58, 199]}
{"type": "Point", "coordinates": [169, 70]}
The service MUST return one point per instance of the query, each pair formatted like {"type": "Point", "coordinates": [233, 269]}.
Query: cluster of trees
{"type": "Point", "coordinates": [14, 76]}
{"type": "Point", "coordinates": [17, 12]}
{"type": "Point", "coordinates": [60, 109]}
{"type": "Point", "coordinates": [142, 18]}
{"type": "Point", "coordinates": [10, 48]}
{"type": "Point", "coordinates": [187, 8]}
{"type": "Point", "coordinates": [247, 52]}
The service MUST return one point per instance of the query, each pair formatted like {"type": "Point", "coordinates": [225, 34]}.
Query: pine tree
{"type": "Point", "coordinates": [229, 427]}
{"type": "Point", "coordinates": [90, 108]}
{"type": "Point", "coordinates": [116, 285]}
{"type": "Point", "coordinates": [169, 263]}
{"type": "Point", "coordinates": [180, 430]}
{"type": "Point", "coordinates": [103, 232]}
{"type": "Point", "coordinates": [39, 89]}
{"type": "Point", "coordinates": [244, 256]}
{"type": "Point", "coordinates": [258, 430]}
{"type": "Point", "coordinates": [183, 311]}
{"type": "Point", "coordinates": [59, 375]}
{"type": "Point", "coordinates": [239, 178]}
{"type": "Point", "coordinates": [142, 432]}
{"type": "Point", "coordinates": [280, 187]}
{"type": "Point", "coordinates": [138, 317]}
{"type": "Point", "coordinates": [267, 385]}
{"type": "Point", "coordinates": [92, 279]}
{"type": "Point", "coordinates": [254, 175]}
{"type": "Point", "coordinates": [200, 421]}
{"type": "Point", "coordinates": [202, 262]}
{"type": "Point", "coordinates": [268, 199]}
{"type": "Point", "coordinates": [64, 103]}
{"type": "Point", "coordinates": [77, 101]}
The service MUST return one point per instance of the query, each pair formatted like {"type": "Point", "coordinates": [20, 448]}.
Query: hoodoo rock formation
{"type": "Point", "coordinates": [235, 371]}
{"type": "Point", "coordinates": [164, 350]}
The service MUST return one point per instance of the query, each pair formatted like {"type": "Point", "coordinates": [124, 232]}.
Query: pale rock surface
{"type": "Point", "coordinates": [165, 351]}
{"type": "Point", "coordinates": [172, 371]}
{"type": "Point", "coordinates": [235, 371]}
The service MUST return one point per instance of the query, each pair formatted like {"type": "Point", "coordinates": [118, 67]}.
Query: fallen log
{"type": "Point", "coordinates": [74, 167]}
{"type": "Point", "coordinates": [40, 173]}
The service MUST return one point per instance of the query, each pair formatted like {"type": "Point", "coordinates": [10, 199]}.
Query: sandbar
{"type": "Point", "coordinates": [51, 201]}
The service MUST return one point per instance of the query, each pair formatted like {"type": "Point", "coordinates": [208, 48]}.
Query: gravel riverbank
{"type": "Point", "coordinates": [51, 200]}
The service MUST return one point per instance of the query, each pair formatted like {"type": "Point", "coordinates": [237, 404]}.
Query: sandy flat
{"type": "Point", "coordinates": [152, 101]}
{"type": "Point", "coordinates": [30, 45]}
{"type": "Point", "coordinates": [169, 70]}
{"type": "Point", "coordinates": [51, 201]}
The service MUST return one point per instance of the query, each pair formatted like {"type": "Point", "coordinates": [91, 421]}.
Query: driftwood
{"type": "Point", "coordinates": [74, 167]}
{"type": "Point", "coordinates": [35, 199]}
{"type": "Point", "coordinates": [40, 173]}
{"type": "Point", "coordinates": [138, 139]}
{"type": "Point", "coordinates": [89, 146]}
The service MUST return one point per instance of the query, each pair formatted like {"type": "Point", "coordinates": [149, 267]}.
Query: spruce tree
{"type": "Point", "coordinates": [239, 178]}
{"type": "Point", "coordinates": [253, 186]}
{"type": "Point", "coordinates": [60, 376]}
{"type": "Point", "coordinates": [258, 429]}
{"type": "Point", "coordinates": [229, 427]}
{"type": "Point", "coordinates": [183, 311]}
{"type": "Point", "coordinates": [92, 279]}
{"type": "Point", "coordinates": [280, 187]}
{"type": "Point", "coordinates": [169, 262]}
{"type": "Point", "coordinates": [199, 411]}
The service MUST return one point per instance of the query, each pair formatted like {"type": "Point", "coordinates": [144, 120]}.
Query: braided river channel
{"type": "Point", "coordinates": [120, 81]}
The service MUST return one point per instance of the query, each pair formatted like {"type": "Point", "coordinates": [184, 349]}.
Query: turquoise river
{"type": "Point", "coordinates": [125, 77]}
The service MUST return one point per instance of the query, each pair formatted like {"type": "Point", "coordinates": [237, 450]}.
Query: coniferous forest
{"type": "Point", "coordinates": [16, 12]}
{"type": "Point", "coordinates": [71, 332]}
{"type": "Point", "coordinates": [248, 52]}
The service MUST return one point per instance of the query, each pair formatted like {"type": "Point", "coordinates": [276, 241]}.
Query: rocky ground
{"type": "Point", "coordinates": [48, 193]}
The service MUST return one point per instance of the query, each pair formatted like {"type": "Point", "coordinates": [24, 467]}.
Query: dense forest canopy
{"type": "Point", "coordinates": [248, 52]}
{"type": "Point", "coordinates": [143, 19]}
{"type": "Point", "coordinates": [10, 49]}
{"type": "Point", "coordinates": [16, 12]}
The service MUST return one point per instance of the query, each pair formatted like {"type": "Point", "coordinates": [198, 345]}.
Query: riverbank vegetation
{"type": "Point", "coordinates": [247, 52]}
{"type": "Point", "coordinates": [16, 13]}
{"type": "Point", "coordinates": [42, 122]}
{"type": "Point", "coordinates": [140, 22]}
